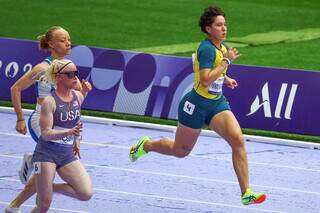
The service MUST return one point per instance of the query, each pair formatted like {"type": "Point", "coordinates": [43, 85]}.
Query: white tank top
{"type": "Point", "coordinates": [43, 86]}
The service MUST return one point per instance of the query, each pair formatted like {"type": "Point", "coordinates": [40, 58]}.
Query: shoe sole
{"type": "Point", "coordinates": [260, 199]}
{"type": "Point", "coordinates": [26, 169]}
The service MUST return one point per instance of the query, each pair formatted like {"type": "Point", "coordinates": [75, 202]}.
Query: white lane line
{"type": "Point", "coordinates": [15, 135]}
{"type": "Point", "coordinates": [168, 128]}
{"type": "Point", "coordinates": [10, 179]}
{"type": "Point", "coordinates": [191, 155]}
{"type": "Point", "coordinates": [162, 197]}
{"type": "Point", "coordinates": [51, 208]}
{"type": "Point", "coordinates": [10, 156]}
{"type": "Point", "coordinates": [206, 157]}
{"type": "Point", "coordinates": [199, 178]}
{"type": "Point", "coordinates": [259, 163]}
{"type": "Point", "coordinates": [184, 200]}
{"type": "Point", "coordinates": [187, 177]}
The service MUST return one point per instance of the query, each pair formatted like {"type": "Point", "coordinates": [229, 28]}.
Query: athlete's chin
{"type": "Point", "coordinates": [221, 40]}
{"type": "Point", "coordinates": [74, 84]}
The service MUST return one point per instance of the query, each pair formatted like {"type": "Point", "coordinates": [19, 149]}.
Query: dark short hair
{"type": "Point", "coordinates": [208, 16]}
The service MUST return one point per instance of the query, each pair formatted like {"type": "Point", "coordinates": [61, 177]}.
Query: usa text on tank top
{"type": "Point", "coordinates": [67, 114]}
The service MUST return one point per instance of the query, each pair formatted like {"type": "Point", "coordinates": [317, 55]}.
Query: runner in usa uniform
{"type": "Point", "coordinates": [59, 143]}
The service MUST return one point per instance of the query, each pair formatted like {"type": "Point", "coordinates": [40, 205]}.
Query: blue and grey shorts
{"type": "Point", "coordinates": [59, 154]}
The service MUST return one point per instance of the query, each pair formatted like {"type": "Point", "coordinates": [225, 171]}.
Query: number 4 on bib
{"type": "Point", "coordinates": [188, 107]}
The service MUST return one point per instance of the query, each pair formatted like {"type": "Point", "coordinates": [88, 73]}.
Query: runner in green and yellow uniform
{"type": "Point", "coordinates": [206, 104]}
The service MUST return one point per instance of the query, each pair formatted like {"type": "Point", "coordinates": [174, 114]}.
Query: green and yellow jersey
{"type": "Point", "coordinates": [207, 57]}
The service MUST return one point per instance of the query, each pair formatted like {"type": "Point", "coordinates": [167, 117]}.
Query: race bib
{"type": "Point", "coordinates": [37, 167]}
{"type": "Point", "coordinates": [65, 140]}
{"type": "Point", "coordinates": [188, 107]}
{"type": "Point", "coordinates": [216, 87]}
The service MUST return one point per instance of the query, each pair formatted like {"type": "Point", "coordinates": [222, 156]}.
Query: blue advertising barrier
{"type": "Point", "coordinates": [152, 85]}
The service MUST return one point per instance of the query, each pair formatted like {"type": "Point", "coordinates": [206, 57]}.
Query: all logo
{"type": "Point", "coordinates": [265, 103]}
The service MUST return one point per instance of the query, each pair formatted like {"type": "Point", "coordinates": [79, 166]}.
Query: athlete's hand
{"type": "Point", "coordinates": [21, 127]}
{"type": "Point", "coordinates": [76, 148]}
{"type": "Point", "coordinates": [86, 86]}
{"type": "Point", "coordinates": [232, 54]}
{"type": "Point", "coordinates": [76, 130]}
{"type": "Point", "coordinates": [231, 83]}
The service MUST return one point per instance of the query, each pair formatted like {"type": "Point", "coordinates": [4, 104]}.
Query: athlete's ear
{"type": "Point", "coordinates": [208, 29]}
{"type": "Point", "coordinates": [50, 44]}
{"type": "Point", "coordinates": [58, 77]}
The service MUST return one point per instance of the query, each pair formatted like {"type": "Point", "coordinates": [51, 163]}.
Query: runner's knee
{"type": "Point", "coordinates": [182, 152]}
{"type": "Point", "coordinates": [85, 195]}
{"type": "Point", "coordinates": [237, 141]}
{"type": "Point", "coordinates": [44, 204]}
